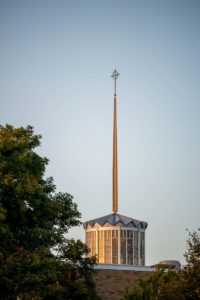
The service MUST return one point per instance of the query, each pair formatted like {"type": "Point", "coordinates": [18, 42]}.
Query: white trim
{"type": "Point", "coordinates": [119, 248]}
{"type": "Point", "coordinates": [103, 247]}
{"type": "Point", "coordinates": [124, 267]}
{"type": "Point", "coordinates": [111, 249]}
{"type": "Point", "coordinates": [126, 248]}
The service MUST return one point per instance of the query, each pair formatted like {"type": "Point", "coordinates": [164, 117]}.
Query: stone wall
{"type": "Point", "coordinates": [110, 284]}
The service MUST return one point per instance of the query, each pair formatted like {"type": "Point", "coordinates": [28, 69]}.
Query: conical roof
{"type": "Point", "coordinates": [115, 218]}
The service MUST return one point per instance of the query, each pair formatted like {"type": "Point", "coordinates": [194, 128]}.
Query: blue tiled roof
{"type": "Point", "coordinates": [114, 218]}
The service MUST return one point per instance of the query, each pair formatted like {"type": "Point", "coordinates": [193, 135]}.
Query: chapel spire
{"type": "Point", "coordinates": [115, 75]}
{"type": "Point", "coordinates": [114, 238]}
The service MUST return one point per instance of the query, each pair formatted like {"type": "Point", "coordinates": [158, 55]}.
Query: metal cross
{"type": "Point", "coordinates": [115, 75]}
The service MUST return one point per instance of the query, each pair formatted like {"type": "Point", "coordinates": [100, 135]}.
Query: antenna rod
{"type": "Point", "coordinates": [115, 181]}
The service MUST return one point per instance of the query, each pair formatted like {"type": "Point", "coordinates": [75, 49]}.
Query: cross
{"type": "Point", "coordinates": [115, 75]}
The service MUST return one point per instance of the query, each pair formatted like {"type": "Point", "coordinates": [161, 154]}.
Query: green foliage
{"type": "Point", "coordinates": [33, 221]}
{"type": "Point", "coordinates": [167, 285]}
{"type": "Point", "coordinates": [191, 271]}
{"type": "Point", "coordinates": [74, 252]}
{"type": "Point", "coordinates": [160, 285]}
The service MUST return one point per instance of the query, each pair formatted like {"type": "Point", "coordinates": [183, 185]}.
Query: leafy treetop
{"type": "Point", "coordinates": [33, 221]}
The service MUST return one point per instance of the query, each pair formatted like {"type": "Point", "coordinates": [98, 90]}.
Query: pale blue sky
{"type": "Point", "coordinates": [56, 58]}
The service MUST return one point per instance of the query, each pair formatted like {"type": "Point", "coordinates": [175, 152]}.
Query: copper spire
{"type": "Point", "coordinates": [115, 187]}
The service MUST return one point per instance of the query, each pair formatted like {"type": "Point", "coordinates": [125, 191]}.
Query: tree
{"type": "Point", "coordinates": [33, 222]}
{"type": "Point", "coordinates": [164, 285]}
{"type": "Point", "coordinates": [79, 276]}
{"type": "Point", "coordinates": [191, 271]}
{"type": "Point", "coordinates": [160, 285]}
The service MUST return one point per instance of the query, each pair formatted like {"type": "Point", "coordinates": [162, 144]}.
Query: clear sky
{"type": "Point", "coordinates": [56, 58]}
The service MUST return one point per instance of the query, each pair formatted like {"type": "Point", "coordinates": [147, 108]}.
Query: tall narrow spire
{"type": "Point", "coordinates": [115, 75]}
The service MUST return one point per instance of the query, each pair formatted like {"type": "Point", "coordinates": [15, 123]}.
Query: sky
{"type": "Point", "coordinates": [56, 59]}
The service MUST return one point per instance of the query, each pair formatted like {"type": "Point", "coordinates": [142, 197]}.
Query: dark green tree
{"type": "Point", "coordinates": [79, 275]}
{"type": "Point", "coordinates": [191, 271]}
{"type": "Point", "coordinates": [167, 285]}
{"type": "Point", "coordinates": [160, 285]}
{"type": "Point", "coordinates": [33, 222]}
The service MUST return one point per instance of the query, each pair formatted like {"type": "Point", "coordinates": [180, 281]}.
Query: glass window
{"type": "Point", "coordinates": [114, 233]}
{"type": "Point", "coordinates": [115, 246]}
{"type": "Point", "coordinates": [93, 246]}
{"type": "Point", "coordinates": [129, 233]}
{"type": "Point", "coordinates": [91, 242]}
{"type": "Point", "coordinates": [142, 247]}
{"type": "Point", "coordinates": [130, 251]}
{"type": "Point", "coordinates": [101, 258]}
{"type": "Point", "coordinates": [107, 249]}
{"type": "Point", "coordinates": [123, 251]}
{"type": "Point", "coordinates": [123, 234]}
{"type": "Point", "coordinates": [135, 248]}
{"type": "Point", "coordinates": [115, 251]}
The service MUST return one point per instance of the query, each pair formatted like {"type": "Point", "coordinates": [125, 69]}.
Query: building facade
{"type": "Point", "coordinates": [116, 239]}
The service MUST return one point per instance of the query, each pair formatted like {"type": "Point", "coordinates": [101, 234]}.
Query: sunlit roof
{"type": "Point", "coordinates": [115, 218]}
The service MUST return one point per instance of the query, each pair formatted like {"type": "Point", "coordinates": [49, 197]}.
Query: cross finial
{"type": "Point", "coordinates": [115, 75]}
